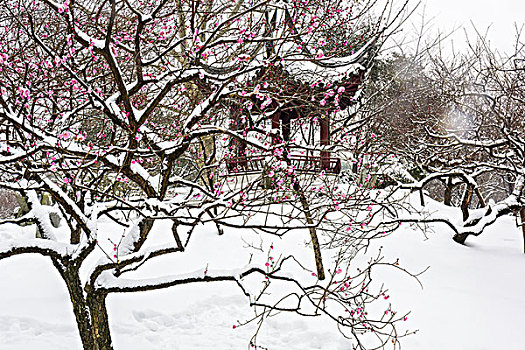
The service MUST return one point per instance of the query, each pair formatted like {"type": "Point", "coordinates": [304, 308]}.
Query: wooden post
{"type": "Point", "coordinates": [286, 128]}
{"type": "Point", "coordinates": [239, 145]}
{"type": "Point", "coordinates": [276, 125]}
{"type": "Point", "coordinates": [325, 141]}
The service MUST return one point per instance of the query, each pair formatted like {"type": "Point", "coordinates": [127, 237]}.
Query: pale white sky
{"type": "Point", "coordinates": [499, 14]}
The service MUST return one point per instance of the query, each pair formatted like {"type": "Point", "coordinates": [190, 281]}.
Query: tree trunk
{"type": "Point", "coordinates": [89, 309]}
{"type": "Point", "coordinates": [460, 237]}
{"type": "Point", "coordinates": [522, 214]}
{"type": "Point", "coordinates": [447, 200]}
{"type": "Point", "coordinates": [99, 319]}
{"type": "Point", "coordinates": [75, 234]}
{"type": "Point", "coordinates": [313, 231]}
{"type": "Point", "coordinates": [481, 200]}
{"type": "Point", "coordinates": [70, 276]}
{"type": "Point", "coordinates": [467, 197]}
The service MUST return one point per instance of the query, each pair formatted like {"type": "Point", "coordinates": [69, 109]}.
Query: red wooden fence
{"type": "Point", "coordinates": [301, 164]}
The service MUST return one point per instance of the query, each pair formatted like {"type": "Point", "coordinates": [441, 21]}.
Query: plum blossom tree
{"type": "Point", "coordinates": [128, 114]}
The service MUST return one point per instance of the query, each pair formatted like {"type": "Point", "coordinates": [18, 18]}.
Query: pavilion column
{"type": "Point", "coordinates": [239, 146]}
{"type": "Point", "coordinates": [276, 125]}
{"type": "Point", "coordinates": [287, 128]}
{"type": "Point", "coordinates": [325, 141]}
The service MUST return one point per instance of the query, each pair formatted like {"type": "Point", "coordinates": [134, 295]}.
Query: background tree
{"type": "Point", "coordinates": [455, 122]}
{"type": "Point", "coordinates": [486, 124]}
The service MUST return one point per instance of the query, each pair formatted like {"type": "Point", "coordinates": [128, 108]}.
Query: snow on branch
{"type": "Point", "coordinates": [109, 283]}
{"type": "Point", "coordinates": [44, 247]}
{"type": "Point", "coordinates": [468, 142]}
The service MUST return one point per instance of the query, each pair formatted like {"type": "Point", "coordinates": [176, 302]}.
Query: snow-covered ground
{"type": "Point", "coordinates": [472, 299]}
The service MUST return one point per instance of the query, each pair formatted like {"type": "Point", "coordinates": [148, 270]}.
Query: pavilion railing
{"type": "Point", "coordinates": [301, 164]}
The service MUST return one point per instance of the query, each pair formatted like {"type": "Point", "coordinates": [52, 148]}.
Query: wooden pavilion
{"type": "Point", "coordinates": [281, 126]}
{"type": "Point", "coordinates": [332, 81]}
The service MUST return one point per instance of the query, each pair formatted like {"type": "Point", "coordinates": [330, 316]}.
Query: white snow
{"type": "Point", "coordinates": [472, 297]}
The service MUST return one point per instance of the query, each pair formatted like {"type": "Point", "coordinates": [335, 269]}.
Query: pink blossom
{"type": "Point", "coordinates": [65, 135]}
{"type": "Point", "coordinates": [24, 93]}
